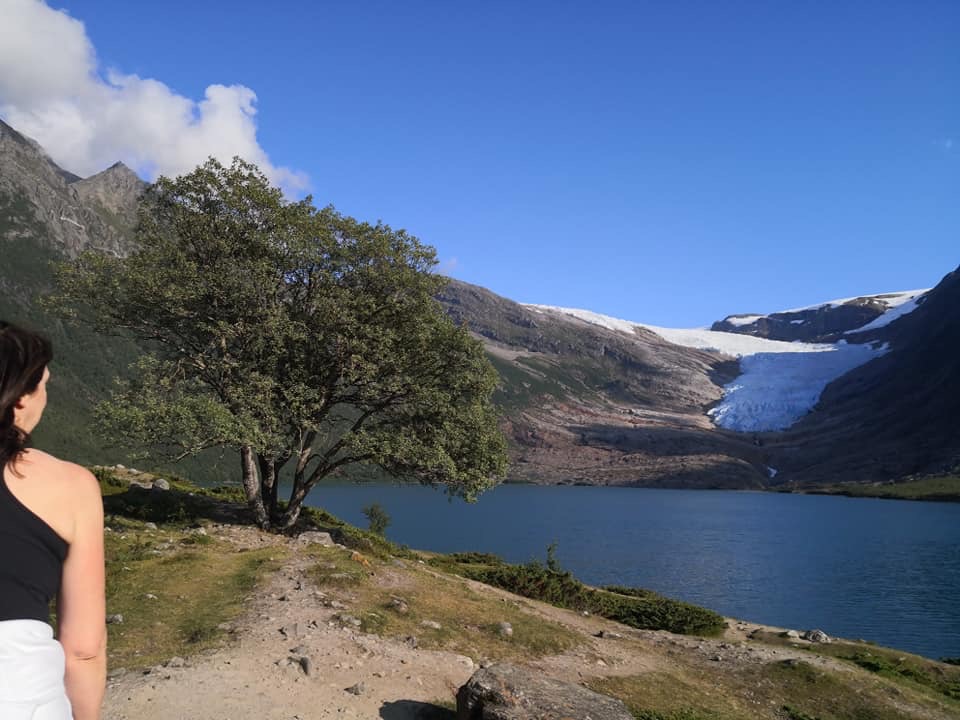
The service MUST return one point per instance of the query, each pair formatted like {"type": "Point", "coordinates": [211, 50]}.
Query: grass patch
{"type": "Point", "coordinates": [173, 590]}
{"type": "Point", "coordinates": [631, 606]}
{"type": "Point", "coordinates": [911, 669]}
{"type": "Point", "coordinates": [395, 603]}
{"type": "Point", "coordinates": [936, 678]}
{"type": "Point", "coordinates": [671, 695]}
{"type": "Point", "coordinates": [805, 692]}
{"type": "Point", "coordinates": [354, 537]}
{"type": "Point", "coordinates": [945, 488]}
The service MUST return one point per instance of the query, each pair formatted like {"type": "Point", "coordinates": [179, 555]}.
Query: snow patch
{"type": "Point", "coordinates": [896, 311]}
{"type": "Point", "coordinates": [891, 300]}
{"type": "Point", "coordinates": [741, 320]}
{"type": "Point", "coordinates": [772, 472]}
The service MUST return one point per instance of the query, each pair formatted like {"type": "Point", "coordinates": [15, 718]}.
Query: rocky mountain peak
{"type": "Point", "coordinates": [42, 201]}
{"type": "Point", "coordinates": [116, 190]}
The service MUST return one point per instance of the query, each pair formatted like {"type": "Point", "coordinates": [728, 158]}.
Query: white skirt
{"type": "Point", "coordinates": [31, 673]}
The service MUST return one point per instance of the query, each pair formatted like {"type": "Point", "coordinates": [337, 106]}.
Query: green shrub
{"type": "Point", "coordinates": [638, 608]}
{"type": "Point", "coordinates": [377, 517]}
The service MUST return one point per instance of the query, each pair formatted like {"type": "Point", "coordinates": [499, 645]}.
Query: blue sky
{"type": "Point", "coordinates": [669, 163]}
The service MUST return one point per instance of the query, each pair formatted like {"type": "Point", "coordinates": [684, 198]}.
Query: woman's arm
{"type": "Point", "coordinates": [81, 606]}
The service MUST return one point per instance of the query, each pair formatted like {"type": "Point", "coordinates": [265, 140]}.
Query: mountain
{"type": "Point", "coordinates": [894, 416]}
{"type": "Point", "coordinates": [860, 389]}
{"type": "Point", "coordinates": [54, 208]}
{"type": "Point", "coordinates": [868, 396]}
{"type": "Point", "coordinates": [826, 322]}
{"type": "Point", "coordinates": [584, 403]}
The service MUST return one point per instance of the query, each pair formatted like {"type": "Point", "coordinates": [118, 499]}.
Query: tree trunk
{"type": "Point", "coordinates": [251, 486]}
{"type": "Point", "coordinates": [268, 486]}
{"type": "Point", "coordinates": [297, 497]}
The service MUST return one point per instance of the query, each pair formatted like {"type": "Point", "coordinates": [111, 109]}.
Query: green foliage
{"type": "Point", "coordinates": [638, 608]}
{"type": "Point", "coordinates": [552, 563]}
{"type": "Point", "coordinates": [377, 517]}
{"type": "Point", "coordinates": [293, 334]}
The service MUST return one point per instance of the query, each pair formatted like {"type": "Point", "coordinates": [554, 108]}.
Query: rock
{"type": "Point", "coordinates": [399, 605]}
{"type": "Point", "coordinates": [432, 624]}
{"type": "Point", "coordinates": [161, 484]}
{"type": "Point", "coordinates": [349, 620]}
{"type": "Point", "coordinates": [607, 635]}
{"type": "Point", "coordinates": [508, 692]}
{"type": "Point", "coordinates": [505, 629]}
{"type": "Point", "coordinates": [357, 689]}
{"type": "Point", "coordinates": [305, 664]}
{"type": "Point", "coordinates": [717, 658]}
{"type": "Point", "coordinates": [150, 525]}
{"type": "Point", "coordinates": [150, 596]}
{"type": "Point", "coordinates": [792, 634]}
{"type": "Point", "coordinates": [291, 631]}
{"type": "Point", "coordinates": [314, 537]}
{"type": "Point", "coordinates": [816, 636]}
{"type": "Point", "coordinates": [116, 619]}
{"type": "Point", "coordinates": [176, 662]}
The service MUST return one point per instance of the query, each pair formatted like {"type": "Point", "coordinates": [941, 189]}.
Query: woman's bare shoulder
{"type": "Point", "coordinates": [55, 469]}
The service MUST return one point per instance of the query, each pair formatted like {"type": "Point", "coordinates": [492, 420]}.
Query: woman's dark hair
{"type": "Point", "coordinates": [23, 357]}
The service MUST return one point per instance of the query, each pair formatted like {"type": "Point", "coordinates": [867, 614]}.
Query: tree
{"type": "Point", "coordinates": [377, 518]}
{"type": "Point", "coordinates": [301, 337]}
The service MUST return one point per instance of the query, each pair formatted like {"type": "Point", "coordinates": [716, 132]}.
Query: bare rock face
{"type": "Point", "coordinates": [42, 202]}
{"type": "Point", "coordinates": [508, 692]}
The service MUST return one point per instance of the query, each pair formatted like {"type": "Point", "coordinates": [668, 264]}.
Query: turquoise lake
{"type": "Point", "coordinates": [883, 570]}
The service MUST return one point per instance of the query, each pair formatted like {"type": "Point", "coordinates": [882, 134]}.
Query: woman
{"type": "Point", "coordinates": [51, 545]}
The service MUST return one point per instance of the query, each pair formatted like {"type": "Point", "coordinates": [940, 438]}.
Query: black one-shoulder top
{"type": "Point", "coordinates": [31, 560]}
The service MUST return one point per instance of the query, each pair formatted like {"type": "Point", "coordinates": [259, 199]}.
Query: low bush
{"type": "Point", "coordinates": [637, 608]}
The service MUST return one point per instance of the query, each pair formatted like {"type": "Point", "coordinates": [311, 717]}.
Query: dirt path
{"type": "Point", "coordinates": [292, 659]}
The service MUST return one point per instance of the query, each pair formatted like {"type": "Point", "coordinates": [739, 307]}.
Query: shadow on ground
{"type": "Point", "coordinates": [414, 710]}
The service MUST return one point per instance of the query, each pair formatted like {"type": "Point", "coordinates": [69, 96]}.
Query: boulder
{"type": "Point", "coordinates": [508, 692]}
{"type": "Point", "coordinates": [816, 636]}
{"type": "Point", "coordinates": [315, 537]}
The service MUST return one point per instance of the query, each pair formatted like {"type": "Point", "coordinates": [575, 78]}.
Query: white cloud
{"type": "Point", "coordinates": [448, 266]}
{"type": "Point", "coordinates": [52, 89]}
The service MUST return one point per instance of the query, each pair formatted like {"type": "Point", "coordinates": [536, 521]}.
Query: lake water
{"type": "Point", "coordinates": [883, 570]}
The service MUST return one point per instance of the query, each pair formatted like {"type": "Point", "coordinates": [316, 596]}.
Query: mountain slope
{"type": "Point", "coordinates": [583, 403]}
{"type": "Point", "coordinates": [895, 416]}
